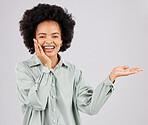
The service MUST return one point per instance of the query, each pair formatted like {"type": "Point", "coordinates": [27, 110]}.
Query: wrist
{"type": "Point", "coordinates": [47, 65]}
{"type": "Point", "coordinates": [112, 77]}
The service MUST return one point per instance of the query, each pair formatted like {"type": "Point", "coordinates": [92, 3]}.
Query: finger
{"type": "Point", "coordinates": [140, 69]}
{"type": "Point", "coordinates": [41, 49]}
{"type": "Point", "coordinates": [39, 46]}
{"type": "Point", "coordinates": [36, 46]}
{"type": "Point", "coordinates": [134, 70]}
{"type": "Point", "coordinates": [125, 67]}
{"type": "Point", "coordinates": [137, 69]}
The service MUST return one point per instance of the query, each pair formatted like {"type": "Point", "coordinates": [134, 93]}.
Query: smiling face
{"type": "Point", "coordinates": [48, 34]}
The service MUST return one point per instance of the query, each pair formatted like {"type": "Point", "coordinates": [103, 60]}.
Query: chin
{"type": "Point", "coordinates": [51, 54]}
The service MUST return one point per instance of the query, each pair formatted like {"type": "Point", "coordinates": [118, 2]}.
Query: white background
{"type": "Point", "coordinates": [108, 33]}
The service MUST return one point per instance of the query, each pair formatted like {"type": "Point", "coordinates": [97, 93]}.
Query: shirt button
{"type": "Point", "coordinates": [53, 109]}
{"type": "Point", "coordinates": [54, 121]}
{"type": "Point", "coordinates": [53, 96]}
{"type": "Point", "coordinates": [52, 84]}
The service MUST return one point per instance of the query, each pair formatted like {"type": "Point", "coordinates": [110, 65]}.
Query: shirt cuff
{"type": "Point", "coordinates": [109, 83]}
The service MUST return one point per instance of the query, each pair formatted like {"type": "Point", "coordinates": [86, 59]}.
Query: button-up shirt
{"type": "Point", "coordinates": [54, 96]}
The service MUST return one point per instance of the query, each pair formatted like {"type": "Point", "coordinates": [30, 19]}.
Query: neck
{"type": "Point", "coordinates": [54, 61]}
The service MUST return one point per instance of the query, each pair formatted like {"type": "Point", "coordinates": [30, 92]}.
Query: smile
{"type": "Point", "coordinates": [48, 49]}
{"type": "Point", "coordinates": [52, 47]}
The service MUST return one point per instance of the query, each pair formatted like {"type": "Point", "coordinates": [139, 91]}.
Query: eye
{"type": "Point", "coordinates": [55, 36]}
{"type": "Point", "coordinates": [41, 36]}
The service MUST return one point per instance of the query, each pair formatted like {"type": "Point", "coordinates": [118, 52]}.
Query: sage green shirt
{"type": "Point", "coordinates": [55, 96]}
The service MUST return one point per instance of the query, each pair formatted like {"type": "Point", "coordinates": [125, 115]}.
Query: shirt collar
{"type": "Point", "coordinates": [34, 60]}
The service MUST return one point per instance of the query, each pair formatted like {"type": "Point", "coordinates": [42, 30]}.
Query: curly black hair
{"type": "Point", "coordinates": [44, 12]}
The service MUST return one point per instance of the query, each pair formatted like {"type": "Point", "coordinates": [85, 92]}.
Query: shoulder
{"type": "Point", "coordinates": [22, 65]}
{"type": "Point", "coordinates": [73, 67]}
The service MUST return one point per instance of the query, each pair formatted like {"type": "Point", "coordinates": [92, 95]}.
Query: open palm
{"type": "Point", "coordinates": [122, 71]}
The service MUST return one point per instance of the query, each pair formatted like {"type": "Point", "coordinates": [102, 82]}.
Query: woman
{"type": "Point", "coordinates": [51, 89]}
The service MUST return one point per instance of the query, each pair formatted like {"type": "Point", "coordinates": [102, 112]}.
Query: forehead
{"type": "Point", "coordinates": [48, 27]}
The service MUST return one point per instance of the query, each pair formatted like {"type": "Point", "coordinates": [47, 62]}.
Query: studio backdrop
{"type": "Point", "coordinates": [108, 33]}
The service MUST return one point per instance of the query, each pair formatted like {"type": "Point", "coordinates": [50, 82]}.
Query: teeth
{"type": "Point", "coordinates": [49, 47]}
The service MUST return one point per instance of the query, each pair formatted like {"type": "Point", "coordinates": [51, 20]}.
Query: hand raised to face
{"type": "Point", "coordinates": [41, 55]}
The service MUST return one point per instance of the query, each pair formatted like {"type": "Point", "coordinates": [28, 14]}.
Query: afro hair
{"type": "Point", "coordinates": [44, 12]}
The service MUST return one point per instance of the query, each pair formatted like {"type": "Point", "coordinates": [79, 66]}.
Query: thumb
{"type": "Point", "coordinates": [125, 67]}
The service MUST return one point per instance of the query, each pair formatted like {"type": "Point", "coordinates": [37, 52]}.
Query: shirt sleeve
{"type": "Point", "coordinates": [90, 100]}
{"type": "Point", "coordinates": [33, 93]}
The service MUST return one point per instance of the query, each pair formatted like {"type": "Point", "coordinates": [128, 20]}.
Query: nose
{"type": "Point", "coordinates": [48, 40]}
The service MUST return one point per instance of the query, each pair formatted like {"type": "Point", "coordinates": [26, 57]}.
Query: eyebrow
{"type": "Point", "coordinates": [46, 34]}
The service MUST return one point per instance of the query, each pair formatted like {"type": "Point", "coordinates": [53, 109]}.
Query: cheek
{"type": "Point", "coordinates": [40, 41]}
{"type": "Point", "coordinates": [58, 43]}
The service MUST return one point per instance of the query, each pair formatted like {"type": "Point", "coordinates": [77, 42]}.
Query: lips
{"type": "Point", "coordinates": [48, 48]}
